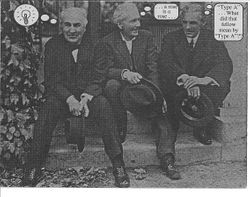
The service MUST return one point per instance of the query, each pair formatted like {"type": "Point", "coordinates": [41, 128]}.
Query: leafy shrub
{"type": "Point", "coordinates": [20, 92]}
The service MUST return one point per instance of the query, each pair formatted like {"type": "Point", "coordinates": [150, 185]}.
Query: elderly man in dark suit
{"type": "Point", "coordinates": [124, 57]}
{"type": "Point", "coordinates": [73, 89]}
{"type": "Point", "coordinates": [193, 60]}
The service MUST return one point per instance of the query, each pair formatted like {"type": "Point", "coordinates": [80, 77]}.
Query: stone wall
{"type": "Point", "coordinates": [238, 52]}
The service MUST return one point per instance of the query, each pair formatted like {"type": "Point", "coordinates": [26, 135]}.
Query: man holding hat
{"type": "Point", "coordinates": [191, 60]}
{"type": "Point", "coordinates": [127, 58]}
{"type": "Point", "coordinates": [72, 90]}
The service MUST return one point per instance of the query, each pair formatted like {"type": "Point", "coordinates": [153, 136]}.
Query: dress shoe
{"type": "Point", "coordinates": [167, 165]}
{"type": "Point", "coordinates": [202, 136]}
{"type": "Point", "coordinates": [121, 177]}
{"type": "Point", "coordinates": [31, 177]}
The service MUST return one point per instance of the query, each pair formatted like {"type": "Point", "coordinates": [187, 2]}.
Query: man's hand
{"type": "Point", "coordinates": [132, 77]}
{"type": "Point", "coordinates": [194, 81]}
{"type": "Point", "coordinates": [194, 92]}
{"type": "Point", "coordinates": [74, 106]}
{"type": "Point", "coordinates": [84, 106]}
{"type": "Point", "coordinates": [182, 79]}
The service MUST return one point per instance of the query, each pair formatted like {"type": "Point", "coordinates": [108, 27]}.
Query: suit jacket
{"type": "Point", "coordinates": [112, 56]}
{"type": "Point", "coordinates": [63, 77]}
{"type": "Point", "coordinates": [210, 59]}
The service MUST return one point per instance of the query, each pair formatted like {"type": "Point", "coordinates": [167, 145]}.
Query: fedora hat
{"type": "Point", "coordinates": [144, 99]}
{"type": "Point", "coordinates": [194, 112]}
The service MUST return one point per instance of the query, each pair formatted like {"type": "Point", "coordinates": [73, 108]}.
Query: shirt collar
{"type": "Point", "coordinates": [194, 39]}
{"type": "Point", "coordinates": [125, 39]}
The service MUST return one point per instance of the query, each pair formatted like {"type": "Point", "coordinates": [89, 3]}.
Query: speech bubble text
{"type": "Point", "coordinates": [166, 11]}
{"type": "Point", "coordinates": [228, 22]}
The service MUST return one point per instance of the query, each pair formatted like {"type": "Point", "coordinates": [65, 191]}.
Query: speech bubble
{"type": "Point", "coordinates": [166, 11]}
{"type": "Point", "coordinates": [228, 21]}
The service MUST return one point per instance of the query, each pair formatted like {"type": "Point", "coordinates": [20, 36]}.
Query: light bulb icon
{"type": "Point", "coordinates": [25, 14]}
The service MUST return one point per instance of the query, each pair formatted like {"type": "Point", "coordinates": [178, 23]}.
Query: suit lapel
{"type": "Point", "coordinates": [181, 50]}
{"type": "Point", "coordinates": [200, 52]}
{"type": "Point", "coordinates": [80, 61]}
{"type": "Point", "coordinates": [84, 56]}
{"type": "Point", "coordinates": [136, 51]}
{"type": "Point", "coordinates": [123, 50]}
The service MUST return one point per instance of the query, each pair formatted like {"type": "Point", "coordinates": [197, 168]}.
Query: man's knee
{"type": "Point", "coordinates": [216, 94]}
{"type": "Point", "coordinates": [53, 104]}
{"type": "Point", "coordinates": [101, 101]}
{"type": "Point", "coordinates": [100, 104]}
{"type": "Point", "coordinates": [112, 88]}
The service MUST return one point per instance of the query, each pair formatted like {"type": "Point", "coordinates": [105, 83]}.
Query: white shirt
{"type": "Point", "coordinates": [194, 39]}
{"type": "Point", "coordinates": [129, 43]}
{"type": "Point", "coordinates": [75, 53]}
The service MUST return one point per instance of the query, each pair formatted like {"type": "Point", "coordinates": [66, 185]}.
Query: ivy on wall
{"type": "Point", "coordinates": [20, 92]}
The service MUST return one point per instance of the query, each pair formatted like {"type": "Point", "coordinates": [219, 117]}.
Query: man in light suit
{"type": "Point", "coordinates": [73, 88]}
{"type": "Point", "coordinates": [193, 60]}
{"type": "Point", "coordinates": [124, 57]}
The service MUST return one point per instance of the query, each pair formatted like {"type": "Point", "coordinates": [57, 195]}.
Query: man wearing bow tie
{"type": "Point", "coordinates": [193, 60]}
{"type": "Point", "coordinates": [72, 88]}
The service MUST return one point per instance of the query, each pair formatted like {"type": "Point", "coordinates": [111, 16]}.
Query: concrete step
{"type": "Point", "coordinates": [229, 131]}
{"type": "Point", "coordinates": [230, 126]}
{"type": "Point", "coordinates": [139, 150]}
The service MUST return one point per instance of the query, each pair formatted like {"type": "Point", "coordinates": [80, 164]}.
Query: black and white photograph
{"type": "Point", "coordinates": [123, 94]}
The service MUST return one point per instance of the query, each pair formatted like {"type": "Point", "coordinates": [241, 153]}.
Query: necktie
{"type": "Point", "coordinates": [190, 57]}
{"type": "Point", "coordinates": [191, 44]}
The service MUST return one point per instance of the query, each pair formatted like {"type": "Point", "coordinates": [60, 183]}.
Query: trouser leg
{"type": "Point", "coordinates": [51, 111]}
{"type": "Point", "coordinates": [166, 135]}
{"type": "Point", "coordinates": [101, 112]}
{"type": "Point", "coordinates": [112, 93]}
{"type": "Point", "coordinates": [216, 94]}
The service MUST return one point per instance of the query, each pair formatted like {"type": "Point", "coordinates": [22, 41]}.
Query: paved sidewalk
{"type": "Point", "coordinates": [202, 175]}
{"type": "Point", "coordinates": [199, 175]}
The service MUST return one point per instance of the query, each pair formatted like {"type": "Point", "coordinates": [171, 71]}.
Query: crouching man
{"type": "Point", "coordinates": [191, 60]}
{"type": "Point", "coordinates": [127, 57]}
{"type": "Point", "coordinates": [72, 89]}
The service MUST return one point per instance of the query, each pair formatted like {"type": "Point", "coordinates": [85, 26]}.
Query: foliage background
{"type": "Point", "coordinates": [20, 92]}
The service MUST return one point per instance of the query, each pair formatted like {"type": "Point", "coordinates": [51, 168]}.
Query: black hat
{"type": "Point", "coordinates": [144, 99]}
{"type": "Point", "coordinates": [74, 130]}
{"type": "Point", "coordinates": [194, 112]}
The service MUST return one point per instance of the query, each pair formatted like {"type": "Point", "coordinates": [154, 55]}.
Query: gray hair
{"type": "Point", "coordinates": [82, 13]}
{"type": "Point", "coordinates": [192, 8]}
{"type": "Point", "coordinates": [122, 10]}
